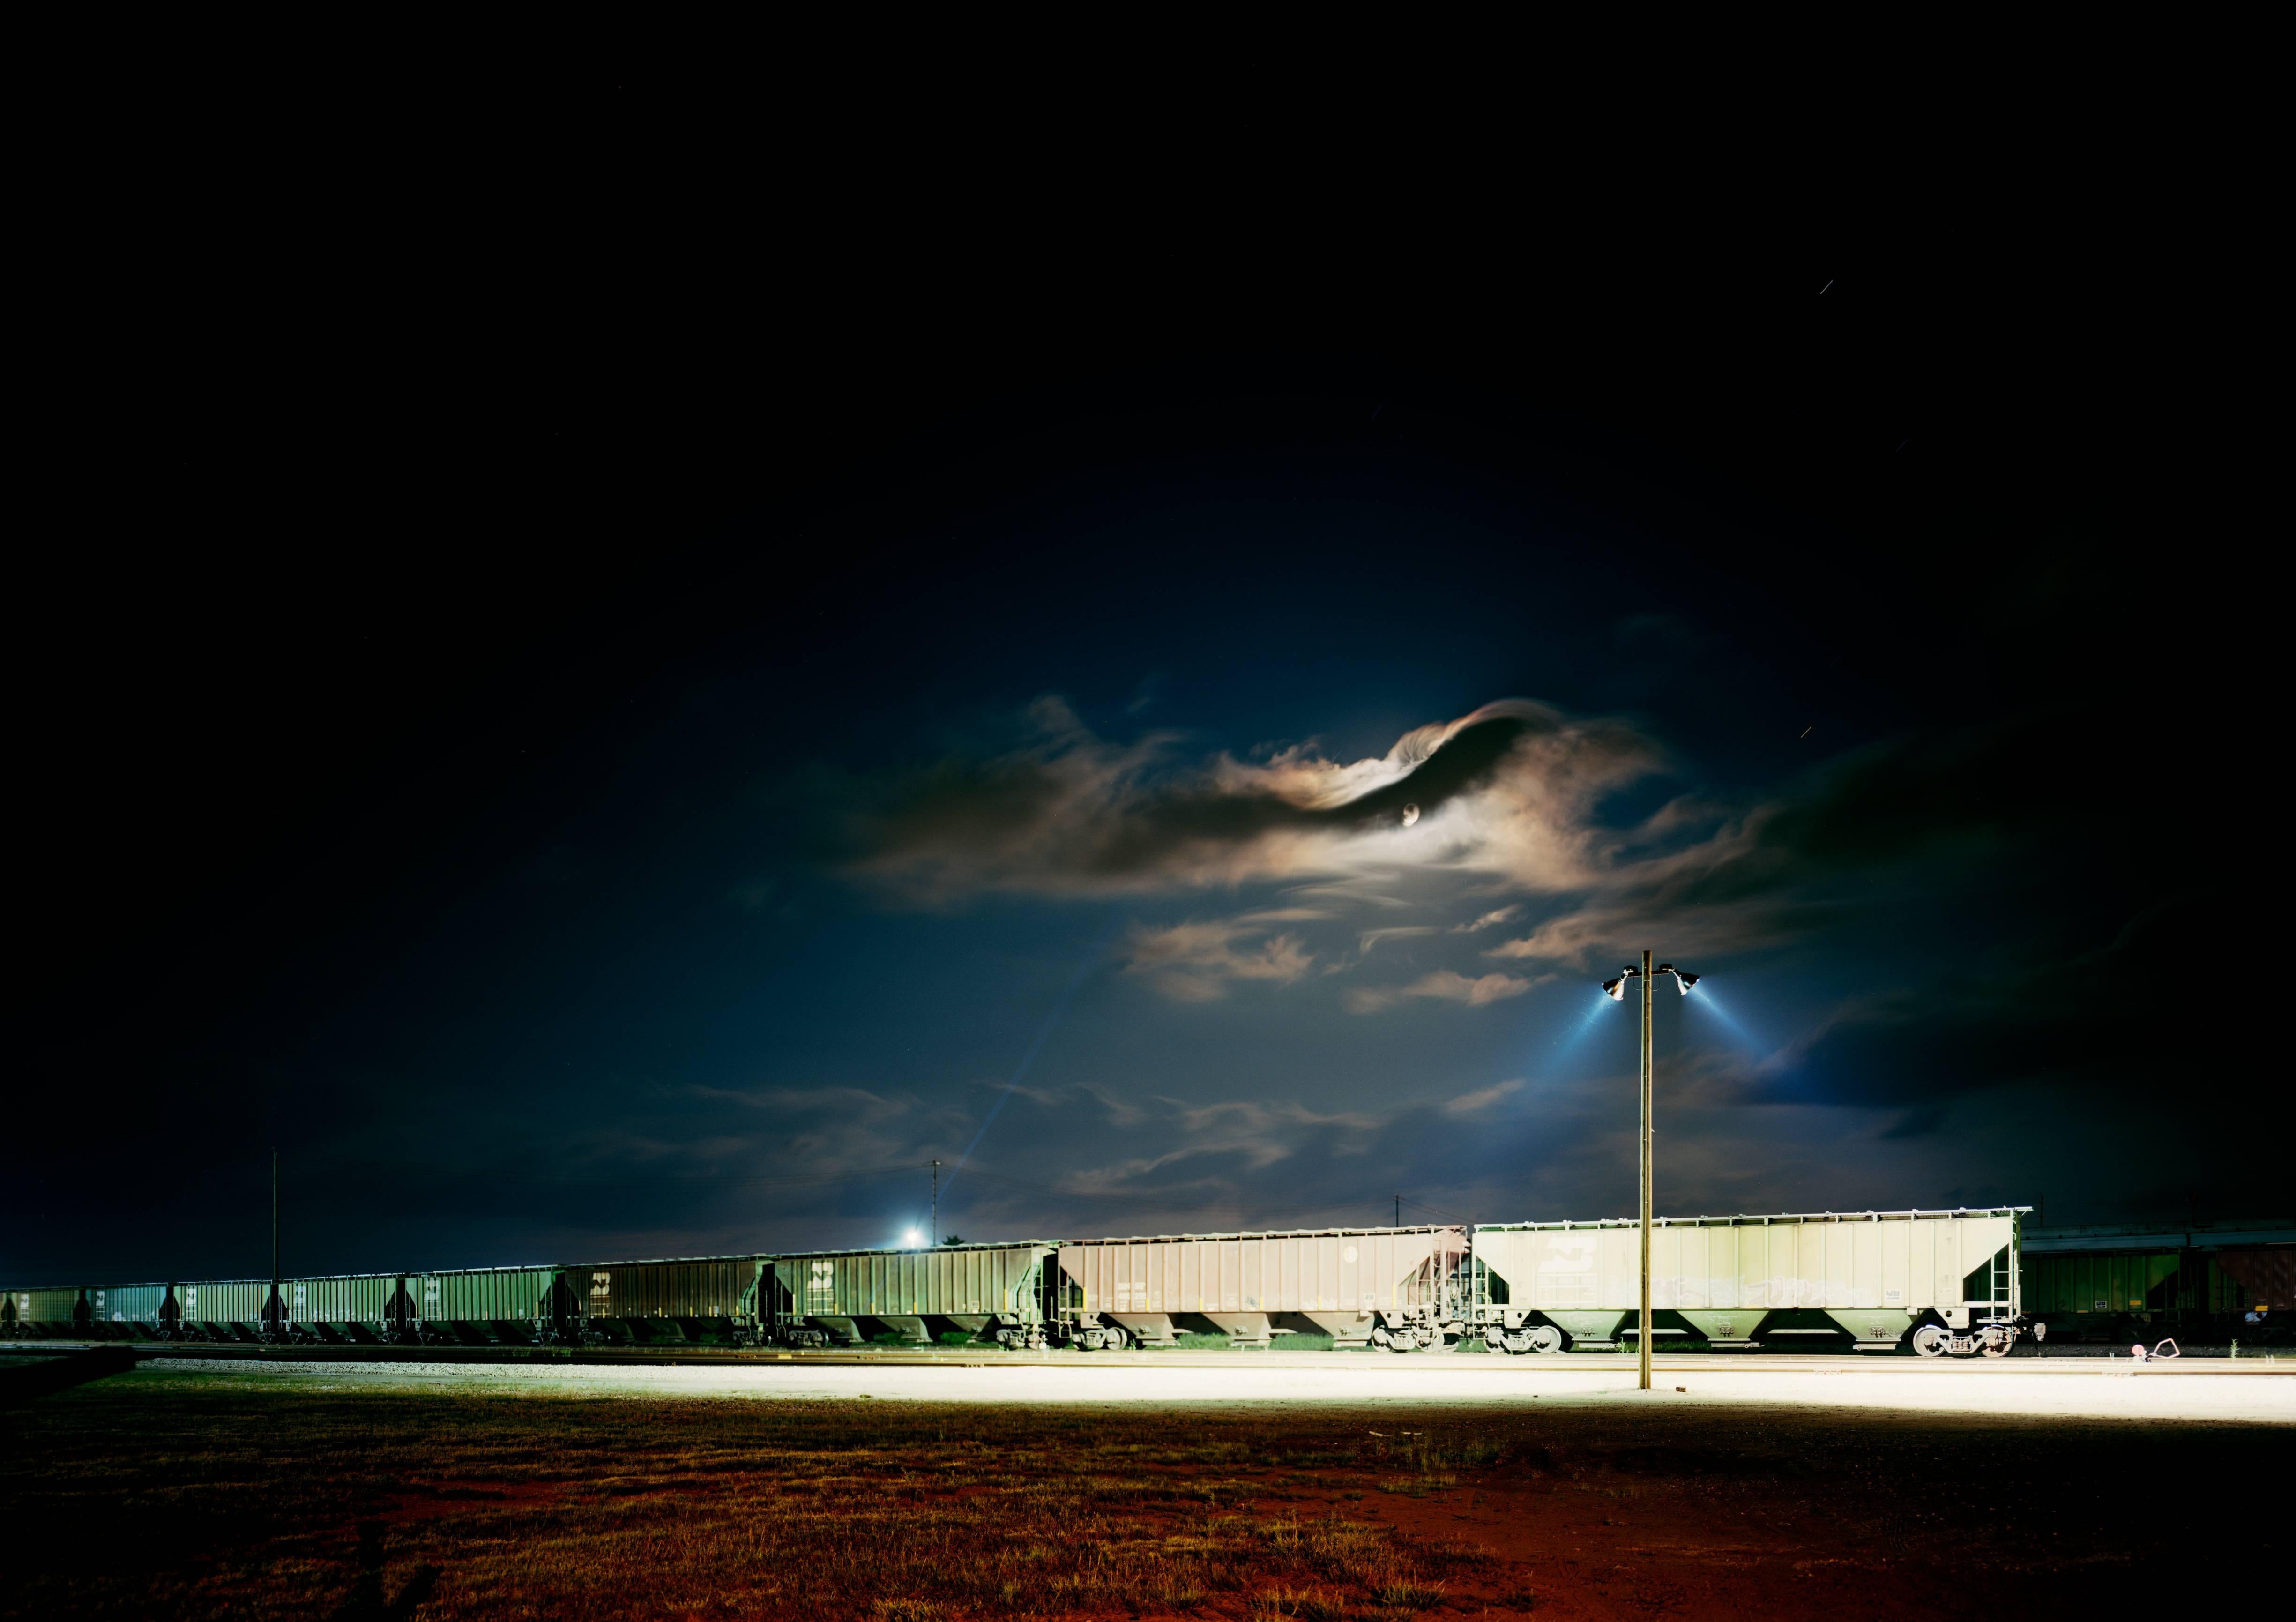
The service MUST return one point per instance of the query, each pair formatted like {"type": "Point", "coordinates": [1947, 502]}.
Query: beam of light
{"type": "Point", "coordinates": [1563, 1049]}
{"type": "Point", "coordinates": [1060, 1008]}
{"type": "Point", "coordinates": [913, 1237]}
{"type": "Point", "coordinates": [1702, 998]}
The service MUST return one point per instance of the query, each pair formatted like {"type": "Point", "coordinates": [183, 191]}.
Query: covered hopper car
{"type": "Point", "coordinates": [1001, 1293]}
{"type": "Point", "coordinates": [348, 1309]}
{"type": "Point", "coordinates": [696, 1300]}
{"type": "Point", "coordinates": [1397, 1287]}
{"type": "Point", "coordinates": [215, 1309]}
{"type": "Point", "coordinates": [1945, 1283]}
{"type": "Point", "coordinates": [52, 1310]}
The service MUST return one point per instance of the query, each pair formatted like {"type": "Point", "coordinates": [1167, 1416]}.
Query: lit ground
{"type": "Point", "coordinates": [2257, 1392]}
{"type": "Point", "coordinates": [1222, 1489]}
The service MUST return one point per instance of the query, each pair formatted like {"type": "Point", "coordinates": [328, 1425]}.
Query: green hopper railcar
{"type": "Point", "coordinates": [510, 1305]}
{"type": "Point", "coordinates": [709, 1300]}
{"type": "Point", "coordinates": [219, 1309]}
{"type": "Point", "coordinates": [354, 1309]}
{"type": "Point", "coordinates": [999, 1293]}
{"type": "Point", "coordinates": [48, 1312]}
{"type": "Point", "coordinates": [128, 1311]}
{"type": "Point", "coordinates": [2233, 1279]}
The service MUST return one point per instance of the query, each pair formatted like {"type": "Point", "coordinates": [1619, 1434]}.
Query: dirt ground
{"type": "Point", "coordinates": [198, 1495]}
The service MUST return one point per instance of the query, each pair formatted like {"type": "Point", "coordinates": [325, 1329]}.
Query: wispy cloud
{"type": "Point", "coordinates": [1369, 938]}
{"type": "Point", "coordinates": [1481, 1098]}
{"type": "Point", "coordinates": [1444, 986]}
{"type": "Point", "coordinates": [1194, 963]}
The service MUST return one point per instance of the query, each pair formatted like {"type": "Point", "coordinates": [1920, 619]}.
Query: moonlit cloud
{"type": "Point", "coordinates": [1509, 791]}
{"type": "Point", "coordinates": [1512, 798]}
{"type": "Point", "coordinates": [1517, 804]}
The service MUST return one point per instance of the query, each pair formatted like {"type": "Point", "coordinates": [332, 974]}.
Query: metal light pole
{"type": "Point", "coordinates": [1616, 990]}
{"type": "Point", "coordinates": [278, 1313]}
{"type": "Point", "coordinates": [934, 1234]}
{"type": "Point", "coordinates": [1643, 1340]}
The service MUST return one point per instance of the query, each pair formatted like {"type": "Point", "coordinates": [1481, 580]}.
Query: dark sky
{"type": "Point", "coordinates": [602, 735]}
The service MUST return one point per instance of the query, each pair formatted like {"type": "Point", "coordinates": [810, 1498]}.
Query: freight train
{"type": "Point", "coordinates": [1936, 1283]}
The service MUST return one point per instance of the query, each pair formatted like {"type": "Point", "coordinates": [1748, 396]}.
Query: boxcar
{"type": "Point", "coordinates": [702, 1298]}
{"type": "Point", "coordinates": [1400, 1287]}
{"type": "Point", "coordinates": [993, 1292]}
{"type": "Point", "coordinates": [1945, 1281]}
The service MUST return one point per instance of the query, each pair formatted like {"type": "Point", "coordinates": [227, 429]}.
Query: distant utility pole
{"type": "Point", "coordinates": [936, 1205]}
{"type": "Point", "coordinates": [1398, 1210]}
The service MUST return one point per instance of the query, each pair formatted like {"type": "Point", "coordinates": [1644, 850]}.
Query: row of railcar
{"type": "Point", "coordinates": [1940, 1282]}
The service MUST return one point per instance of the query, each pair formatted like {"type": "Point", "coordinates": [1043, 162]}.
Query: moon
{"type": "Point", "coordinates": [1410, 815]}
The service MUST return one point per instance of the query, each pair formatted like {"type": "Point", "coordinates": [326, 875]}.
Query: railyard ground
{"type": "Point", "coordinates": [205, 1488]}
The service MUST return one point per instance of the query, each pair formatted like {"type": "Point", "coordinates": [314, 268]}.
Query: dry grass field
{"type": "Point", "coordinates": [175, 1495]}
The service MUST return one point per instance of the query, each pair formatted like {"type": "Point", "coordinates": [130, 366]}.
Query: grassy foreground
{"type": "Point", "coordinates": [190, 1496]}
{"type": "Point", "coordinates": [200, 1496]}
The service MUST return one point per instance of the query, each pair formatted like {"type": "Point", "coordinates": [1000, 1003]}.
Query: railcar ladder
{"type": "Point", "coordinates": [1999, 1279]}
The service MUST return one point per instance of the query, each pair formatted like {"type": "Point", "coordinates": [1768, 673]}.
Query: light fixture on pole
{"type": "Point", "coordinates": [1616, 991]}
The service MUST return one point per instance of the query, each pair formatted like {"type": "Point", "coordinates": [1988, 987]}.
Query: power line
{"type": "Point", "coordinates": [1423, 1205]}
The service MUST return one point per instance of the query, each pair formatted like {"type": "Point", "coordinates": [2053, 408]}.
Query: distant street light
{"type": "Point", "coordinates": [1616, 990]}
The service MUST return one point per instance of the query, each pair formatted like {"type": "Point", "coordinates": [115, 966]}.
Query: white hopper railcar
{"type": "Point", "coordinates": [1945, 1280]}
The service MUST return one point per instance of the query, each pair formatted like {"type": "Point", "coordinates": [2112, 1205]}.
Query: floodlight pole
{"type": "Point", "coordinates": [1684, 980]}
{"type": "Point", "coordinates": [278, 1313]}
{"type": "Point", "coordinates": [1643, 1340]}
{"type": "Point", "coordinates": [932, 1235]}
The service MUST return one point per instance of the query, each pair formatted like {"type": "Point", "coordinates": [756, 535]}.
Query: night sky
{"type": "Point", "coordinates": [608, 764]}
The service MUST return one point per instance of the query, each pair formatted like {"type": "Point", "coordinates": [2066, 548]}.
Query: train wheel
{"type": "Point", "coordinates": [1996, 1347]}
{"type": "Point", "coordinates": [1545, 1338]}
{"type": "Point", "coordinates": [1930, 1340]}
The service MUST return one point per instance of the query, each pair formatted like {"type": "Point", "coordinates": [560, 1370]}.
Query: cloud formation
{"type": "Point", "coordinates": [1517, 839]}
{"type": "Point", "coordinates": [1444, 986]}
{"type": "Point", "coordinates": [1510, 790]}
{"type": "Point", "coordinates": [1193, 963]}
